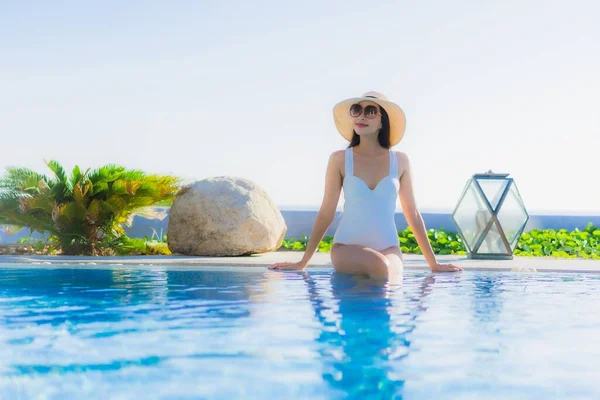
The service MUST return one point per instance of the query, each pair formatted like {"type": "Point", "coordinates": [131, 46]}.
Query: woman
{"type": "Point", "coordinates": [373, 176]}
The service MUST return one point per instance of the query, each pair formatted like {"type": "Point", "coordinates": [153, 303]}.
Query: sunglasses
{"type": "Point", "coordinates": [370, 111]}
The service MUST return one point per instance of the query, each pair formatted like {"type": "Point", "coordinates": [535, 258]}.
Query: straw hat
{"type": "Point", "coordinates": [343, 120]}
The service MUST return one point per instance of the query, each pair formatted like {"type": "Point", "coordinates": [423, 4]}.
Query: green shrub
{"type": "Point", "coordinates": [142, 246]}
{"type": "Point", "coordinates": [84, 212]}
{"type": "Point", "coordinates": [535, 243]}
{"type": "Point", "coordinates": [561, 243]}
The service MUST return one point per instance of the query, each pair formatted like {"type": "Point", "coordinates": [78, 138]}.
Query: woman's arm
{"type": "Point", "coordinates": [331, 196]}
{"type": "Point", "coordinates": [414, 218]}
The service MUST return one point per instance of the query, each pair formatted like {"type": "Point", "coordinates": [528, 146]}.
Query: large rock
{"type": "Point", "coordinates": [224, 216]}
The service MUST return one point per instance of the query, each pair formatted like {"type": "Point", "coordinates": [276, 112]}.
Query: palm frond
{"type": "Point", "coordinates": [16, 178]}
{"type": "Point", "coordinates": [57, 169]}
{"type": "Point", "coordinates": [62, 188]}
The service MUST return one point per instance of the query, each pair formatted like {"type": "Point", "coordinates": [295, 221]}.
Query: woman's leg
{"type": "Point", "coordinates": [396, 269]}
{"type": "Point", "coordinates": [361, 260]}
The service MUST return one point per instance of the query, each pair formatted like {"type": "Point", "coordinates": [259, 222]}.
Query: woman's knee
{"type": "Point", "coordinates": [379, 267]}
{"type": "Point", "coordinates": [355, 259]}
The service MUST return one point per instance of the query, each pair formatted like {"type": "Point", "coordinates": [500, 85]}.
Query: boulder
{"type": "Point", "coordinates": [224, 216]}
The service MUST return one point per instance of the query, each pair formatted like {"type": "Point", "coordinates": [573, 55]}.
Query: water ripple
{"type": "Point", "coordinates": [222, 333]}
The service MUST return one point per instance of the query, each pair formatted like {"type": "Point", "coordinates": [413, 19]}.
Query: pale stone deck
{"type": "Point", "coordinates": [523, 264]}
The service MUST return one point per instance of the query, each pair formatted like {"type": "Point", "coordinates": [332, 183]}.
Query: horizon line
{"type": "Point", "coordinates": [445, 210]}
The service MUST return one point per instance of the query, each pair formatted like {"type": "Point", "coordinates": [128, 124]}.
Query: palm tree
{"type": "Point", "coordinates": [85, 210]}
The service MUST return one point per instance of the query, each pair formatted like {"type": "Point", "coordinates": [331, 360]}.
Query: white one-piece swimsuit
{"type": "Point", "coordinates": [368, 215]}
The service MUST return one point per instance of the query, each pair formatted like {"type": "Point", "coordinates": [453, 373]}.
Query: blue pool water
{"type": "Point", "coordinates": [227, 333]}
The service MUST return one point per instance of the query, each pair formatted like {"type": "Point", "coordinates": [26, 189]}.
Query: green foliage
{"type": "Point", "coordinates": [85, 211]}
{"type": "Point", "coordinates": [301, 243]}
{"type": "Point", "coordinates": [155, 245]}
{"type": "Point", "coordinates": [535, 243]}
{"type": "Point", "coordinates": [41, 245]}
{"type": "Point", "coordinates": [141, 246]}
{"type": "Point", "coordinates": [551, 243]}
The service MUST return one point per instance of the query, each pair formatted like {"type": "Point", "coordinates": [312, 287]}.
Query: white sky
{"type": "Point", "coordinates": [210, 88]}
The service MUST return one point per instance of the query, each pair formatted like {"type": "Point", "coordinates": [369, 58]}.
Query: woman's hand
{"type": "Point", "coordinates": [287, 265]}
{"type": "Point", "coordinates": [445, 268]}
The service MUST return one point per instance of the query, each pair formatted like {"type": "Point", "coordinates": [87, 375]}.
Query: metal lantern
{"type": "Point", "coordinates": [490, 216]}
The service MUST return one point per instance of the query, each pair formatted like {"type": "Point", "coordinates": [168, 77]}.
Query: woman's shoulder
{"type": "Point", "coordinates": [401, 156]}
{"type": "Point", "coordinates": [403, 162]}
{"type": "Point", "coordinates": [337, 156]}
{"type": "Point", "coordinates": [336, 160]}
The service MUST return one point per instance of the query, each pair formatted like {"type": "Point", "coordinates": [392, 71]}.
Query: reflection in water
{"type": "Point", "coordinates": [365, 324]}
{"type": "Point", "coordinates": [123, 329]}
{"type": "Point", "coordinates": [487, 304]}
{"type": "Point", "coordinates": [93, 333]}
{"type": "Point", "coordinates": [152, 282]}
{"type": "Point", "coordinates": [78, 296]}
{"type": "Point", "coordinates": [487, 312]}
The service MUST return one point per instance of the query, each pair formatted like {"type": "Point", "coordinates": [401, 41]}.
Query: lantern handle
{"type": "Point", "coordinates": [489, 173]}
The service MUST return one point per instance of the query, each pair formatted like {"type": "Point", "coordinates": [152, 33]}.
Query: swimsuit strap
{"type": "Point", "coordinates": [348, 163]}
{"type": "Point", "coordinates": [393, 164]}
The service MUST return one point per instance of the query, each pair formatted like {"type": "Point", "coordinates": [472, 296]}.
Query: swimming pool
{"type": "Point", "coordinates": [225, 332]}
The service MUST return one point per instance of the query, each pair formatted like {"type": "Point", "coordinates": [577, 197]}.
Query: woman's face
{"type": "Point", "coordinates": [364, 124]}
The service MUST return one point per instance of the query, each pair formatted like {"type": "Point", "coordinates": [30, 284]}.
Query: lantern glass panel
{"type": "Point", "coordinates": [493, 244]}
{"type": "Point", "coordinates": [493, 189]}
{"type": "Point", "coordinates": [471, 215]}
{"type": "Point", "coordinates": [512, 216]}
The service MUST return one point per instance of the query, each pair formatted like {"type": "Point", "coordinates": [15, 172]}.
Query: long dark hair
{"type": "Point", "coordinates": [384, 133]}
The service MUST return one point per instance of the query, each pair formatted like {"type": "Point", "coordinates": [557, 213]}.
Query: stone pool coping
{"type": "Point", "coordinates": [319, 260]}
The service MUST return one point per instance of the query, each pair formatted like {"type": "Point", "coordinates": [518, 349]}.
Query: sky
{"type": "Point", "coordinates": [201, 89]}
